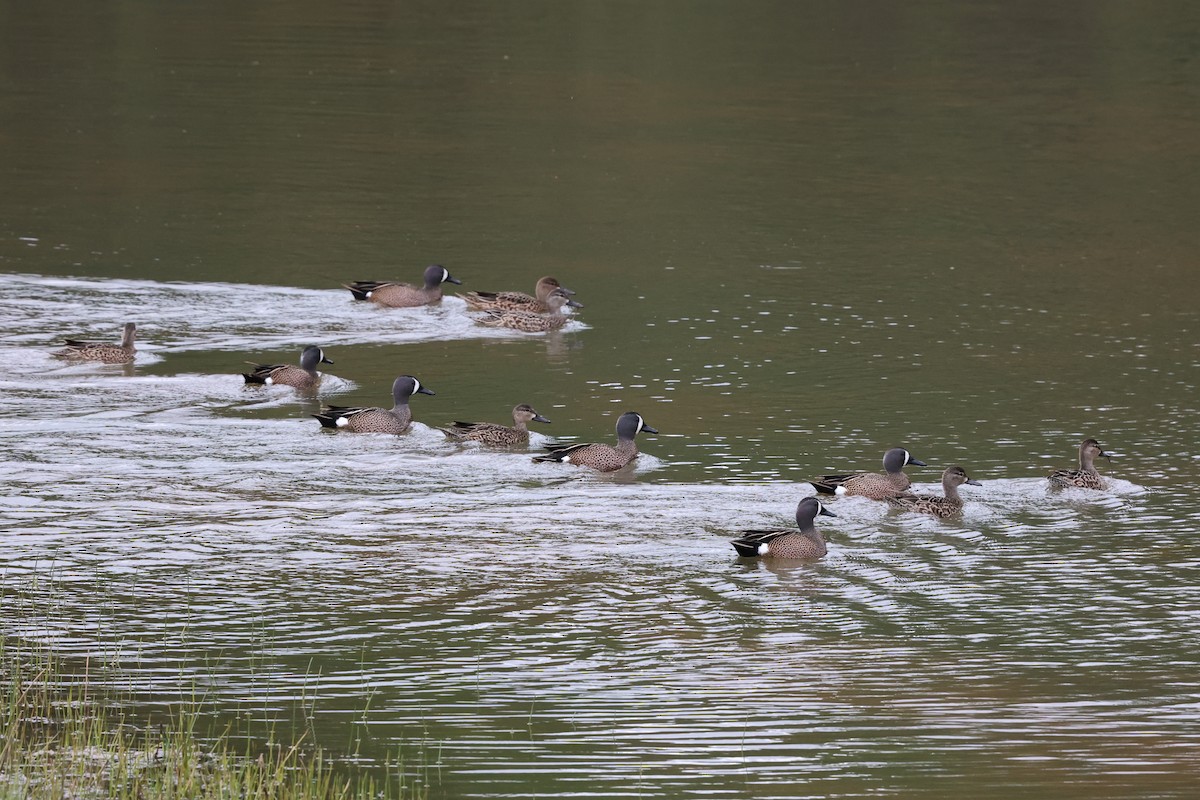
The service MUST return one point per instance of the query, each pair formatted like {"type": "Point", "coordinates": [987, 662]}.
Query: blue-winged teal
{"type": "Point", "coordinates": [122, 353]}
{"type": "Point", "coordinates": [517, 301]}
{"type": "Point", "coordinates": [805, 543]}
{"type": "Point", "coordinates": [948, 506]}
{"type": "Point", "coordinates": [376, 420]}
{"type": "Point", "coordinates": [404, 295]}
{"type": "Point", "coordinates": [530, 322]}
{"type": "Point", "coordinates": [1086, 477]}
{"type": "Point", "coordinates": [304, 376]}
{"type": "Point", "coordinates": [603, 457]}
{"type": "Point", "coordinates": [872, 484]}
{"type": "Point", "coordinates": [491, 433]}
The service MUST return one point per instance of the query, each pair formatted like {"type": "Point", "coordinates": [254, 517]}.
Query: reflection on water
{"type": "Point", "coordinates": [539, 623]}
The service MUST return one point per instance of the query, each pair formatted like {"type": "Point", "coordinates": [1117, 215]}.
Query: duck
{"type": "Point", "coordinates": [948, 506]}
{"type": "Point", "coordinates": [805, 543]}
{"type": "Point", "coordinates": [404, 295]}
{"type": "Point", "coordinates": [517, 301]}
{"type": "Point", "coordinates": [602, 457]}
{"type": "Point", "coordinates": [105, 353]}
{"type": "Point", "coordinates": [491, 433]}
{"type": "Point", "coordinates": [376, 420]}
{"type": "Point", "coordinates": [304, 376]}
{"type": "Point", "coordinates": [1086, 477]}
{"type": "Point", "coordinates": [872, 484]}
{"type": "Point", "coordinates": [530, 322]}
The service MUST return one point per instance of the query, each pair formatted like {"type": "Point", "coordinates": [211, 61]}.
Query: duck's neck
{"type": "Point", "coordinates": [521, 425]}
{"type": "Point", "coordinates": [951, 492]}
{"type": "Point", "coordinates": [127, 339]}
{"type": "Point", "coordinates": [626, 447]}
{"type": "Point", "coordinates": [1087, 463]}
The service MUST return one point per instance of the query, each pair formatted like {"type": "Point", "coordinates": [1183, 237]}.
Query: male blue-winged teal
{"type": "Point", "coordinates": [805, 543]}
{"type": "Point", "coordinates": [517, 301]}
{"type": "Point", "coordinates": [122, 353]}
{"type": "Point", "coordinates": [1086, 477]}
{"type": "Point", "coordinates": [304, 376]}
{"type": "Point", "coordinates": [530, 322]}
{"type": "Point", "coordinates": [376, 420]}
{"type": "Point", "coordinates": [948, 506]}
{"type": "Point", "coordinates": [602, 457]}
{"type": "Point", "coordinates": [872, 484]}
{"type": "Point", "coordinates": [404, 295]}
{"type": "Point", "coordinates": [491, 433]}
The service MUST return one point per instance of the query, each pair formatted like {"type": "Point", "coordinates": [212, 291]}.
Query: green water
{"type": "Point", "coordinates": [803, 233]}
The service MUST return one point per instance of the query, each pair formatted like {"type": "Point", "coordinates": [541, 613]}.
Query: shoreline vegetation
{"type": "Point", "coordinates": [60, 737]}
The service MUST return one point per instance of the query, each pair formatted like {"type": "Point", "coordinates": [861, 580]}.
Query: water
{"type": "Point", "coordinates": [802, 236]}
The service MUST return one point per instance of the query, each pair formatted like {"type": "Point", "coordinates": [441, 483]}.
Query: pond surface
{"type": "Point", "coordinates": [802, 235]}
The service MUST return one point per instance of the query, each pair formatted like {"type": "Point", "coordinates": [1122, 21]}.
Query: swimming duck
{"type": "Point", "coordinates": [376, 420]}
{"type": "Point", "coordinates": [491, 433]}
{"type": "Point", "coordinates": [805, 543]}
{"type": "Point", "coordinates": [872, 484]}
{"type": "Point", "coordinates": [304, 376]}
{"type": "Point", "coordinates": [530, 322]}
{"type": "Point", "coordinates": [1086, 477]}
{"type": "Point", "coordinates": [948, 506]}
{"type": "Point", "coordinates": [603, 457]}
{"type": "Point", "coordinates": [106, 353]}
{"type": "Point", "coordinates": [517, 301]}
{"type": "Point", "coordinates": [404, 295]}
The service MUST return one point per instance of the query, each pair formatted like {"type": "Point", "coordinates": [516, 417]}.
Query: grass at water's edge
{"type": "Point", "coordinates": [60, 739]}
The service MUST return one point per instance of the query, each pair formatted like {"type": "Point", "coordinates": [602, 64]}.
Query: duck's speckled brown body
{"type": "Point", "coordinates": [874, 485]}
{"type": "Point", "coordinates": [494, 434]}
{"type": "Point", "coordinates": [404, 295]}
{"type": "Point", "coordinates": [376, 420]}
{"type": "Point", "coordinates": [948, 506]}
{"type": "Point", "coordinates": [603, 457]}
{"type": "Point", "coordinates": [303, 377]}
{"type": "Point", "coordinates": [805, 543]}
{"type": "Point", "coordinates": [103, 352]}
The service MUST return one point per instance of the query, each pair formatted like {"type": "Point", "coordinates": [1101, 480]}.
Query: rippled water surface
{"type": "Point", "coordinates": [801, 236]}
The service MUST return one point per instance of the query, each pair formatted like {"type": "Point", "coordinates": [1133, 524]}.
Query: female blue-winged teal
{"type": "Point", "coordinates": [872, 484]}
{"type": "Point", "coordinates": [948, 506]}
{"type": "Point", "coordinates": [1086, 477]}
{"type": "Point", "coordinates": [517, 301]}
{"type": "Point", "coordinates": [122, 353]}
{"type": "Point", "coordinates": [404, 295]}
{"type": "Point", "coordinates": [603, 457]}
{"type": "Point", "coordinates": [530, 322]}
{"type": "Point", "coordinates": [304, 376]}
{"type": "Point", "coordinates": [805, 543]}
{"type": "Point", "coordinates": [376, 420]}
{"type": "Point", "coordinates": [492, 433]}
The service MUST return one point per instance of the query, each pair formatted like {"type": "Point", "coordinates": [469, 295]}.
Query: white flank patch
{"type": "Point", "coordinates": [763, 549]}
{"type": "Point", "coordinates": [269, 381]}
{"type": "Point", "coordinates": [368, 294]}
{"type": "Point", "coordinates": [840, 490]}
{"type": "Point", "coordinates": [342, 422]}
